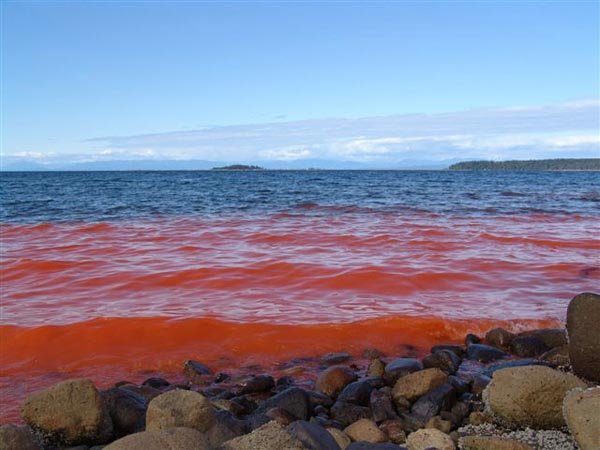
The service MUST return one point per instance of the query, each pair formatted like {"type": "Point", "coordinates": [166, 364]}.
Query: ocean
{"type": "Point", "coordinates": [120, 275]}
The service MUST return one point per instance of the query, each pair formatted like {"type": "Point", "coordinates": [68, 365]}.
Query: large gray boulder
{"type": "Point", "coordinates": [167, 439]}
{"type": "Point", "coordinates": [69, 413]}
{"type": "Point", "coordinates": [529, 396]}
{"type": "Point", "coordinates": [581, 409]}
{"type": "Point", "coordinates": [583, 320]}
{"type": "Point", "coordinates": [180, 408]}
{"type": "Point", "coordinates": [13, 437]}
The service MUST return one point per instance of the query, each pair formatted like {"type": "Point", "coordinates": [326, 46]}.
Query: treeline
{"type": "Point", "coordinates": [238, 167]}
{"type": "Point", "coordinates": [531, 165]}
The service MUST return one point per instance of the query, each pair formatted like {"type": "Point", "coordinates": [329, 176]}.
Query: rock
{"type": "Point", "coordinates": [416, 384]}
{"type": "Point", "coordinates": [369, 446]}
{"type": "Point", "coordinates": [445, 360]}
{"type": "Point", "coordinates": [357, 392]}
{"type": "Point", "coordinates": [484, 353]}
{"type": "Point", "coordinates": [147, 392]}
{"type": "Point", "coordinates": [156, 383]}
{"type": "Point", "coordinates": [270, 436]}
{"type": "Point", "coordinates": [127, 411]}
{"type": "Point", "coordinates": [331, 359]}
{"type": "Point", "coordinates": [312, 436]}
{"type": "Point", "coordinates": [552, 337]}
{"type": "Point", "coordinates": [429, 438]}
{"type": "Point", "coordinates": [257, 383]}
{"type": "Point", "coordinates": [381, 405]}
{"type": "Point", "coordinates": [439, 424]}
{"type": "Point", "coordinates": [400, 367]}
{"type": "Point", "coordinates": [347, 413]}
{"type": "Point", "coordinates": [499, 337]}
{"type": "Point", "coordinates": [294, 400]}
{"type": "Point", "coordinates": [281, 416]}
{"type": "Point", "coordinates": [528, 346]}
{"type": "Point", "coordinates": [492, 443]}
{"type": "Point", "coordinates": [489, 371]}
{"type": "Point", "coordinates": [333, 379]}
{"type": "Point", "coordinates": [365, 430]}
{"type": "Point", "coordinates": [583, 317]}
{"type": "Point", "coordinates": [225, 427]}
{"type": "Point", "coordinates": [168, 439]}
{"type": "Point", "coordinates": [557, 357]}
{"type": "Point", "coordinates": [394, 430]}
{"type": "Point", "coordinates": [319, 399]}
{"type": "Point", "coordinates": [342, 439]}
{"type": "Point", "coordinates": [69, 413]}
{"type": "Point", "coordinates": [471, 339]}
{"type": "Point", "coordinates": [440, 398]}
{"type": "Point", "coordinates": [479, 418]}
{"type": "Point", "coordinates": [196, 370]}
{"type": "Point", "coordinates": [581, 410]}
{"type": "Point", "coordinates": [458, 350]}
{"type": "Point", "coordinates": [180, 408]}
{"type": "Point", "coordinates": [529, 396]}
{"type": "Point", "coordinates": [376, 368]}
{"type": "Point", "coordinates": [13, 437]}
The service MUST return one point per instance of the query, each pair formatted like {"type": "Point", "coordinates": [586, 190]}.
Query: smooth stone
{"type": "Point", "coordinates": [333, 379]}
{"type": "Point", "coordinates": [365, 430]}
{"type": "Point", "coordinates": [429, 438]}
{"type": "Point", "coordinates": [293, 400]}
{"type": "Point", "coordinates": [347, 413]}
{"type": "Point", "coordinates": [492, 443]}
{"type": "Point", "coordinates": [270, 436]}
{"type": "Point", "coordinates": [416, 384]}
{"type": "Point", "coordinates": [471, 339]}
{"type": "Point", "coordinates": [529, 396]}
{"type": "Point", "coordinates": [381, 405]}
{"type": "Point", "coordinates": [528, 346]}
{"type": "Point", "coordinates": [180, 408]}
{"type": "Point", "coordinates": [552, 337]}
{"type": "Point", "coordinates": [281, 416]}
{"type": "Point", "coordinates": [13, 437]}
{"type": "Point", "coordinates": [400, 367]}
{"type": "Point", "coordinates": [370, 446]}
{"type": "Point", "coordinates": [127, 411]}
{"type": "Point", "coordinates": [69, 413]}
{"type": "Point", "coordinates": [319, 399]}
{"type": "Point", "coordinates": [144, 391]}
{"type": "Point", "coordinates": [443, 397]}
{"type": "Point", "coordinates": [156, 383]}
{"type": "Point", "coordinates": [357, 392]}
{"type": "Point", "coordinates": [484, 353]}
{"type": "Point", "coordinates": [581, 409]}
{"type": "Point", "coordinates": [445, 360]}
{"type": "Point", "coordinates": [331, 359]}
{"type": "Point", "coordinates": [340, 437]}
{"type": "Point", "coordinates": [312, 436]}
{"type": "Point", "coordinates": [499, 337]}
{"type": "Point", "coordinates": [167, 439]}
{"type": "Point", "coordinates": [489, 371]}
{"type": "Point", "coordinates": [458, 350]}
{"type": "Point", "coordinates": [257, 383]}
{"type": "Point", "coordinates": [225, 428]}
{"type": "Point", "coordinates": [583, 327]}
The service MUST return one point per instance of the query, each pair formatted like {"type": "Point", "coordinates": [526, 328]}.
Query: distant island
{"type": "Point", "coordinates": [239, 167]}
{"type": "Point", "coordinates": [581, 164]}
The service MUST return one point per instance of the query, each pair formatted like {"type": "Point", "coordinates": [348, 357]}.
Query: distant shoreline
{"type": "Point", "coordinates": [535, 165]}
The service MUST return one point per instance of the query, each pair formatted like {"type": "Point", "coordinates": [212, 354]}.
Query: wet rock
{"type": "Point", "coordinates": [583, 317]}
{"type": "Point", "coordinates": [376, 368]}
{"type": "Point", "coordinates": [127, 411]}
{"type": "Point", "coordinates": [347, 413]}
{"type": "Point", "coordinates": [156, 383]}
{"type": "Point", "coordinates": [381, 405]}
{"type": "Point", "coordinates": [168, 439]}
{"type": "Point", "coordinates": [340, 437]}
{"type": "Point", "coordinates": [471, 339]}
{"type": "Point", "coordinates": [551, 337]}
{"type": "Point", "coordinates": [180, 408]}
{"type": "Point", "coordinates": [492, 443]}
{"type": "Point", "coordinates": [499, 337]}
{"type": "Point", "coordinates": [528, 346]}
{"type": "Point", "coordinates": [440, 398]}
{"type": "Point", "coordinates": [257, 383]}
{"type": "Point", "coordinates": [484, 353]}
{"type": "Point", "coordinates": [331, 359]}
{"type": "Point", "coordinates": [529, 396]}
{"type": "Point", "coordinates": [357, 392]}
{"type": "Point", "coordinates": [400, 367]}
{"type": "Point", "coordinates": [458, 350]}
{"type": "Point", "coordinates": [429, 438]}
{"type": "Point", "coordinates": [581, 410]}
{"type": "Point", "coordinates": [69, 413]}
{"type": "Point", "coordinates": [416, 384]}
{"type": "Point", "coordinates": [13, 437]}
{"type": "Point", "coordinates": [294, 400]}
{"type": "Point", "coordinates": [365, 430]}
{"type": "Point", "coordinates": [445, 360]}
{"type": "Point", "coordinates": [394, 429]}
{"type": "Point", "coordinates": [557, 357]}
{"type": "Point", "coordinates": [312, 436]}
{"type": "Point", "coordinates": [333, 379]}
{"type": "Point", "coordinates": [270, 436]}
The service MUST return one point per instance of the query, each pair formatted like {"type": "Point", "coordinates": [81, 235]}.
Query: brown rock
{"type": "Point", "coordinates": [499, 337]}
{"type": "Point", "coordinates": [416, 384]}
{"type": "Point", "coordinates": [281, 416]}
{"type": "Point", "coordinates": [552, 337]}
{"type": "Point", "coordinates": [492, 443]}
{"type": "Point", "coordinates": [365, 430]}
{"type": "Point", "coordinates": [13, 437]}
{"type": "Point", "coordinates": [376, 368]}
{"type": "Point", "coordinates": [583, 317]}
{"type": "Point", "coordinates": [439, 424]}
{"type": "Point", "coordinates": [333, 379]}
{"type": "Point", "coordinates": [429, 438]}
{"type": "Point", "coordinates": [557, 357]}
{"type": "Point", "coordinates": [270, 436]}
{"type": "Point", "coordinates": [180, 408]}
{"type": "Point", "coordinates": [69, 413]}
{"type": "Point", "coordinates": [340, 437]}
{"type": "Point", "coordinates": [168, 439]}
{"type": "Point", "coordinates": [394, 430]}
{"type": "Point", "coordinates": [581, 409]}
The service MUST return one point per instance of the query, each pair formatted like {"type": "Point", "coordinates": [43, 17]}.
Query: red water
{"type": "Point", "coordinates": [122, 300]}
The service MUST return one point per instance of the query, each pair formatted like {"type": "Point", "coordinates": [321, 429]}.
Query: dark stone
{"type": "Point", "coordinates": [226, 427]}
{"type": "Point", "coordinates": [243, 405]}
{"type": "Point", "coordinates": [583, 326]}
{"type": "Point", "coordinates": [557, 357]}
{"type": "Point", "coordinates": [458, 350]}
{"type": "Point", "coordinates": [480, 382]}
{"type": "Point", "coordinates": [284, 383]}
{"type": "Point", "coordinates": [401, 367]}
{"type": "Point", "coordinates": [445, 360]}
{"type": "Point", "coordinates": [196, 372]}
{"type": "Point", "coordinates": [484, 353]}
{"type": "Point", "coordinates": [458, 413]}
{"type": "Point", "coordinates": [528, 346]}
{"type": "Point", "coordinates": [471, 339]}
{"type": "Point", "coordinates": [145, 391]}
{"type": "Point", "coordinates": [156, 383]}
{"type": "Point", "coordinates": [294, 400]}
{"type": "Point", "coordinates": [331, 359]}
{"type": "Point", "coordinates": [459, 384]}
{"type": "Point", "coordinates": [257, 383]}
{"type": "Point", "coordinates": [369, 446]}
{"type": "Point", "coordinates": [375, 382]}
{"type": "Point", "coordinates": [217, 392]}
{"type": "Point", "coordinates": [411, 422]}
{"type": "Point", "coordinates": [357, 392]}
{"type": "Point", "coordinates": [255, 421]}
{"type": "Point", "coordinates": [312, 436]}
{"type": "Point", "coordinates": [499, 337]}
{"type": "Point", "coordinates": [127, 411]}
{"type": "Point", "coordinates": [394, 430]}
{"type": "Point", "coordinates": [347, 413]}
{"type": "Point", "coordinates": [326, 422]}
{"type": "Point", "coordinates": [440, 398]}
{"type": "Point", "coordinates": [489, 371]}
{"type": "Point", "coordinates": [552, 337]}
{"type": "Point", "coordinates": [220, 377]}
{"type": "Point", "coordinates": [382, 406]}
{"type": "Point", "coordinates": [318, 398]}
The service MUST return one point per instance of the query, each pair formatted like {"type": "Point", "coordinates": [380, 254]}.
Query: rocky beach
{"type": "Point", "coordinates": [534, 390]}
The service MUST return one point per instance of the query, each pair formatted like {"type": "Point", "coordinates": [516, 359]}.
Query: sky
{"type": "Point", "coordinates": [378, 83]}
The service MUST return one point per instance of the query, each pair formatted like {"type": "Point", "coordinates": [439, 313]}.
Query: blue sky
{"type": "Point", "coordinates": [378, 82]}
